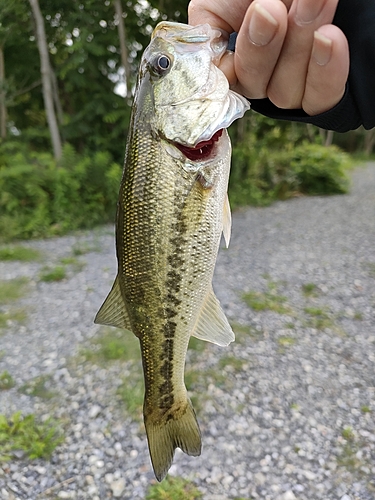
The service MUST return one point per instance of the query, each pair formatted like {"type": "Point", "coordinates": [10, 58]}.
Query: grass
{"type": "Point", "coordinates": [58, 273]}
{"type": "Point", "coordinates": [370, 267]}
{"type": "Point", "coordinates": [76, 264]}
{"type": "Point", "coordinates": [35, 439]}
{"type": "Point", "coordinates": [174, 488]}
{"type": "Point", "coordinates": [243, 332]}
{"type": "Point", "coordinates": [348, 458]}
{"type": "Point", "coordinates": [319, 318]}
{"type": "Point", "coordinates": [131, 393]}
{"type": "Point", "coordinates": [69, 261]}
{"type": "Point", "coordinates": [365, 409]}
{"type": "Point", "coordinates": [6, 381]}
{"type": "Point", "coordinates": [242, 498]}
{"type": "Point", "coordinates": [83, 248]}
{"type": "Point", "coordinates": [267, 301]}
{"type": "Point", "coordinates": [310, 290]}
{"type": "Point", "coordinates": [12, 290]}
{"type": "Point", "coordinates": [286, 341]}
{"type": "Point", "coordinates": [217, 377]}
{"type": "Point", "coordinates": [231, 363]}
{"type": "Point", "coordinates": [358, 316]}
{"type": "Point", "coordinates": [289, 326]}
{"type": "Point", "coordinates": [347, 433]}
{"type": "Point", "coordinates": [193, 381]}
{"type": "Point", "coordinates": [197, 345]}
{"type": "Point", "coordinates": [50, 274]}
{"type": "Point", "coordinates": [19, 253]}
{"type": "Point", "coordinates": [38, 387]}
{"type": "Point", "coordinates": [112, 344]}
{"type": "Point", "coordinates": [18, 316]}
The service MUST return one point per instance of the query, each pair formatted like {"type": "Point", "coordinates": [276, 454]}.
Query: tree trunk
{"type": "Point", "coordinates": [56, 99]}
{"type": "Point", "coordinates": [3, 109]}
{"type": "Point", "coordinates": [326, 137]}
{"type": "Point", "coordinates": [329, 138]}
{"type": "Point", "coordinates": [123, 49]}
{"type": "Point", "coordinates": [46, 73]}
{"type": "Point", "coordinates": [369, 141]}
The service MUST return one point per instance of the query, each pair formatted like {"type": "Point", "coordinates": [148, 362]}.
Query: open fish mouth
{"type": "Point", "coordinates": [202, 150]}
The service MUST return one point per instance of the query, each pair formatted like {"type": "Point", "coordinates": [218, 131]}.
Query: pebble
{"type": "Point", "coordinates": [288, 495]}
{"type": "Point", "coordinates": [273, 421]}
{"type": "Point", "coordinates": [118, 487]}
{"type": "Point", "coordinates": [94, 411]}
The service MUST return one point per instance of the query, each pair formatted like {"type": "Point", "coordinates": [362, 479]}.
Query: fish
{"type": "Point", "coordinates": [172, 210]}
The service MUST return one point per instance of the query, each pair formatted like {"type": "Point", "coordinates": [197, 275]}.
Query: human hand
{"type": "Point", "coordinates": [286, 50]}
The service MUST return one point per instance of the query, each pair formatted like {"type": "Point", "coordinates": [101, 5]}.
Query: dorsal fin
{"type": "Point", "coordinates": [113, 311]}
{"type": "Point", "coordinates": [212, 324]}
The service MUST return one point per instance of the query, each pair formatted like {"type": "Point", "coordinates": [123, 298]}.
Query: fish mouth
{"type": "Point", "coordinates": [202, 150]}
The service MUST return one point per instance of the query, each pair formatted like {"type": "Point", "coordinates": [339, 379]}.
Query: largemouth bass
{"type": "Point", "coordinates": [172, 210]}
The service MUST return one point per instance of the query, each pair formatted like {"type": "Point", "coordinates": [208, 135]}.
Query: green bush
{"type": "Point", "coordinates": [35, 439]}
{"type": "Point", "coordinates": [320, 170]}
{"type": "Point", "coordinates": [271, 160]}
{"type": "Point", "coordinates": [260, 176]}
{"type": "Point", "coordinates": [40, 198]}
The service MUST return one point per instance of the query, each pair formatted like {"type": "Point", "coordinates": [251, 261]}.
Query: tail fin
{"type": "Point", "coordinates": [178, 429]}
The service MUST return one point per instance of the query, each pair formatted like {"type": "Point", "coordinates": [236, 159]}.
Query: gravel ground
{"type": "Point", "coordinates": [287, 411]}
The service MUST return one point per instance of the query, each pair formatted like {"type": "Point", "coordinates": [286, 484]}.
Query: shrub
{"type": "Point", "coordinates": [39, 198]}
{"type": "Point", "coordinates": [35, 439]}
{"type": "Point", "coordinates": [261, 176]}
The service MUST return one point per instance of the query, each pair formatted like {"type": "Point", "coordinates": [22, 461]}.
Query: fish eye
{"type": "Point", "coordinates": [161, 65]}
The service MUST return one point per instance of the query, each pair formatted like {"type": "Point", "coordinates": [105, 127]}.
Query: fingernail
{"type": "Point", "coordinates": [307, 11]}
{"type": "Point", "coordinates": [263, 26]}
{"type": "Point", "coordinates": [322, 49]}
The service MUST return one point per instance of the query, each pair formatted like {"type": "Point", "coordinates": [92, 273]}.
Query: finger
{"type": "Point", "coordinates": [327, 72]}
{"type": "Point", "coordinates": [226, 65]}
{"type": "Point", "coordinates": [225, 14]}
{"type": "Point", "coordinates": [287, 85]}
{"type": "Point", "coordinates": [258, 46]}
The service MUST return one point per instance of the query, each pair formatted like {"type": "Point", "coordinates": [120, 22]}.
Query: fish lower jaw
{"type": "Point", "coordinates": [202, 151]}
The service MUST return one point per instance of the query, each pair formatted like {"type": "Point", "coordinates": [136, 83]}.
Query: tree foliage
{"type": "Point", "coordinates": [84, 50]}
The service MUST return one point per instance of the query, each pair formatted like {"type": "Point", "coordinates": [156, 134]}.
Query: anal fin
{"type": "Point", "coordinates": [212, 324]}
{"type": "Point", "coordinates": [113, 310]}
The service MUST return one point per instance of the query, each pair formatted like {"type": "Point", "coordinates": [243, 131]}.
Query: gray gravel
{"type": "Point", "coordinates": [287, 412]}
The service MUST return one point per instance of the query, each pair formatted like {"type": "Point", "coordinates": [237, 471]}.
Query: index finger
{"type": "Point", "coordinates": [227, 15]}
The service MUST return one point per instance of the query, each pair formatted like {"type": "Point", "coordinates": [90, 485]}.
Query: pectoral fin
{"type": "Point", "coordinates": [212, 324]}
{"type": "Point", "coordinates": [113, 311]}
{"type": "Point", "coordinates": [227, 221]}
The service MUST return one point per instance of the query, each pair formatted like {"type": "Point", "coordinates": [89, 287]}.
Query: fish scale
{"type": "Point", "coordinates": [170, 217]}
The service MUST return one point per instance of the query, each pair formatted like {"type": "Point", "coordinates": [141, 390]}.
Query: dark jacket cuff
{"type": "Point", "coordinates": [343, 117]}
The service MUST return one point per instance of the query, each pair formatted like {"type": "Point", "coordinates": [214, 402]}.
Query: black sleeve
{"type": "Point", "coordinates": [357, 20]}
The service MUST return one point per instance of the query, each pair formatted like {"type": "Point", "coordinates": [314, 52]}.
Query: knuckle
{"type": "Point", "coordinates": [285, 100]}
